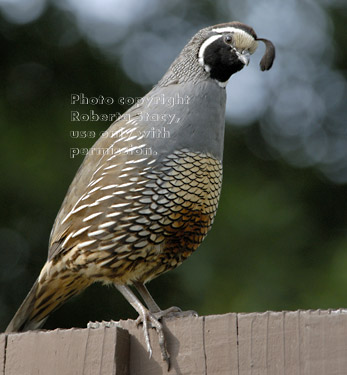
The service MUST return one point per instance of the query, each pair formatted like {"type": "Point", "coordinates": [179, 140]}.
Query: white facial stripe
{"type": "Point", "coordinates": [231, 30]}
{"type": "Point", "coordinates": [204, 45]}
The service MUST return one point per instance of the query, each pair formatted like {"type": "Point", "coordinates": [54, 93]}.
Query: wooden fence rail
{"type": "Point", "coordinates": [278, 343]}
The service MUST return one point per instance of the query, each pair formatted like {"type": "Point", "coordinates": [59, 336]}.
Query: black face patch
{"type": "Point", "coordinates": [222, 60]}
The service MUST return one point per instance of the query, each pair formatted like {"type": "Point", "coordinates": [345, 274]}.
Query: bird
{"type": "Point", "coordinates": [140, 204]}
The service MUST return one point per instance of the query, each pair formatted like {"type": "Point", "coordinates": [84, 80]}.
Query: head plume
{"type": "Point", "coordinates": [269, 55]}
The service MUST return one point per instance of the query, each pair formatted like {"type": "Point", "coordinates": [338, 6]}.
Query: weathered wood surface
{"type": "Point", "coordinates": [298, 342]}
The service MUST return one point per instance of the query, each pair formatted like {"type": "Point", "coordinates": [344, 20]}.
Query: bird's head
{"type": "Point", "coordinates": [225, 49]}
{"type": "Point", "coordinates": [218, 52]}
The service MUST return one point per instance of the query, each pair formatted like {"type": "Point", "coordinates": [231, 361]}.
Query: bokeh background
{"type": "Point", "coordinates": [280, 236]}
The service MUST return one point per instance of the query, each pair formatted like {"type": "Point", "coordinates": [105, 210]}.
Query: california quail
{"type": "Point", "coordinates": [140, 204]}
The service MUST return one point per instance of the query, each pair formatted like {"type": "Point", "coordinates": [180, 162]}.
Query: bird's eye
{"type": "Point", "coordinates": [228, 39]}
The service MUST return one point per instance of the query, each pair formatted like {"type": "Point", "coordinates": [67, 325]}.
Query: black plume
{"type": "Point", "coordinates": [269, 55]}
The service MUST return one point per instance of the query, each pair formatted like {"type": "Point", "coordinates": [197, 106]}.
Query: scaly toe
{"type": "Point", "coordinates": [151, 318]}
{"type": "Point", "coordinates": [174, 312]}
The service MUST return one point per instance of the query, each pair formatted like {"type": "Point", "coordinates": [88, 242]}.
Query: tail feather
{"type": "Point", "coordinates": [22, 320]}
{"type": "Point", "coordinates": [48, 293]}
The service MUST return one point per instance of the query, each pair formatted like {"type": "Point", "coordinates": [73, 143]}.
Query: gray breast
{"type": "Point", "coordinates": [193, 117]}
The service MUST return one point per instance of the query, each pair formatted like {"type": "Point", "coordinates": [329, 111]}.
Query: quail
{"type": "Point", "coordinates": [141, 204]}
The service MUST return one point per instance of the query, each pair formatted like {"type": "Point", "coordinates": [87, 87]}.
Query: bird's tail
{"type": "Point", "coordinates": [22, 320]}
{"type": "Point", "coordinates": [49, 292]}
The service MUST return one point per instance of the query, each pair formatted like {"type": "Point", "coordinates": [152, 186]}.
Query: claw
{"type": "Point", "coordinates": [144, 321]}
{"type": "Point", "coordinates": [146, 317]}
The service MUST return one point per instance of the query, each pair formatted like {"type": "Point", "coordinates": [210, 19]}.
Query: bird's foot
{"type": "Point", "coordinates": [174, 312]}
{"type": "Point", "coordinates": [147, 317]}
{"type": "Point", "coordinates": [148, 320]}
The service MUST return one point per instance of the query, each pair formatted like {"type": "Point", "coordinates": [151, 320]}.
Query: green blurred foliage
{"type": "Point", "coordinates": [280, 236]}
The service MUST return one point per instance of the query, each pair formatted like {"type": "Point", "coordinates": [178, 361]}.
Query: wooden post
{"type": "Point", "coordinates": [288, 342]}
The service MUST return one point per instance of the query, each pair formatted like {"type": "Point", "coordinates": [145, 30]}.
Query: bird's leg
{"type": "Point", "coordinates": [173, 311]}
{"type": "Point", "coordinates": [146, 316]}
{"type": "Point", "coordinates": [151, 304]}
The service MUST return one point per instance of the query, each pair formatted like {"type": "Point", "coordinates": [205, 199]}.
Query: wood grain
{"type": "Point", "coordinates": [270, 343]}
